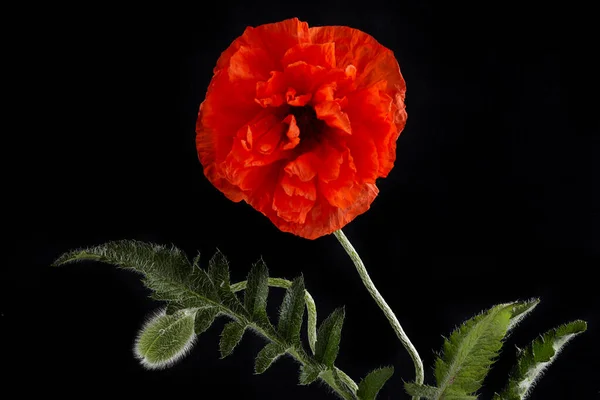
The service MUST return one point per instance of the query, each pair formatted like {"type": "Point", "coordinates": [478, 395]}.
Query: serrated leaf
{"type": "Point", "coordinates": [165, 339]}
{"type": "Point", "coordinates": [218, 269]}
{"type": "Point", "coordinates": [166, 270]}
{"type": "Point", "coordinates": [292, 311]}
{"type": "Point", "coordinates": [328, 338]}
{"type": "Point", "coordinates": [520, 310]}
{"type": "Point", "coordinates": [257, 290]}
{"type": "Point", "coordinates": [370, 386]}
{"type": "Point", "coordinates": [204, 319]}
{"type": "Point", "coordinates": [343, 385]}
{"type": "Point", "coordinates": [267, 356]}
{"type": "Point", "coordinates": [311, 308]}
{"type": "Point", "coordinates": [538, 356]}
{"type": "Point", "coordinates": [470, 351]}
{"type": "Point", "coordinates": [425, 391]}
{"type": "Point", "coordinates": [308, 374]}
{"type": "Point", "coordinates": [230, 337]}
{"type": "Point", "coordinates": [196, 261]}
{"type": "Point", "coordinates": [458, 396]}
{"type": "Point", "coordinates": [218, 272]}
{"type": "Point", "coordinates": [172, 308]}
{"type": "Point", "coordinates": [200, 282]}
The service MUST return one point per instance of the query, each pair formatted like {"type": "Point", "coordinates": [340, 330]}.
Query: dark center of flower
{"type": "Point", "coordinates": [308, 123]}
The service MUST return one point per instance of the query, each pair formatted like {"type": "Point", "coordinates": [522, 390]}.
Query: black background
{"type": "Point", "coordinates": [493, 197]}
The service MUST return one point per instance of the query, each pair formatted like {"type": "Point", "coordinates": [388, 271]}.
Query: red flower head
{"type": "Point", "coordinates": [299, 122]}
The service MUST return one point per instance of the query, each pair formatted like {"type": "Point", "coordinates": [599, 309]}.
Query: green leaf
{"type": "Point", "coordinates": [166, 270]}
{"type": "Point", "coordinates": [428, 392]}
{"type": "Point", "coordinates": [199, 282]}
{"type": "Point", "coordinates": [370, 386]}
{"type": "Point", "coordinates": [470, 351]}
{"type": "Point", "coordinates": [311, 308]}
{"type": "Point", "coordinates": [230, 337]}
{"type": "Point", "coordinates": [328, 338]}
{"type": "Point", "coordinates": [257, 290]}
{"type": "Point", "coordinates": [218, 272]}
{"type": "Point", "coordinates": [538, 356]}
{"type": "Point", "coordinates": [520, 310]}
{"type": "Point", "coordinates": [267, 356]}
{"type": "Point", "coordinates": [196, 261]}
{"type": "Point", "coordinates": [308, 374]}
{"type": "Point", "coordinates": [292, 311]}
{"type": "Point", "coordinates": [172, 308]}
{"type": "Point", "coordinates": [204, 319]}
{"type": "Point", "coordinates": [343, 385]}
{"type": "Point", "coordinates": [218, 269]}
{"type": "Point", "coordinates": [165, 339]}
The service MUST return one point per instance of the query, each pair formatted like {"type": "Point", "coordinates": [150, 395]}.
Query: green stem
{"type": "Point", "coordinates": [389, 314]}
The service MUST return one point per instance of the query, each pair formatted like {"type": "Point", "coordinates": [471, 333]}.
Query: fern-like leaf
{"type": "Point", "coordinates": [257, 291]}
{"type": "Point", "coordinates": [308, 374]}
{"type": "Point", "coordinates": [267, 356]}
{"type": "Point", "coordinates": [204, 319]}
{"type": "Point", "coordinates": [538, 356]}
{"type": "Point", "coordinates": [328, 338]}
{"type": "Point", "coordinates": [195, 297]}
{"type": "Point", "coordinates": [470, 351]}
{"type": "Point", "coordinates": [166, 270]}
{"type": "Point", "coordinates": [370, 386]}
{"type": "Point", "coordinates": [520, 310]}
{"type": "Point", "coordinates": [292, 311]}
{"type": "Point", "coordinates": [230, 337]}
{"type": "Point", "coordinates": [425, 391]}
{"type": "Point", "coordinates": [218, 272]}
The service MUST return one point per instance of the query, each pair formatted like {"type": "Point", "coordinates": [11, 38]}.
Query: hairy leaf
{"type": "Point", "coordinates": [328, 338]}
{"type": "Point", "coordinates": [311, 308]}
{"type": "Point", "coordinates": [267, 356]}
{"type": "Point", "coordinates": [257, 290]}
{"type": "Point", "coordinates": [538, 356]}
{"type": "Point", "coordinates": [218, 272]}
{"type": "Point", "coordinates": [165, 339]}
{"type": "Point", "coordinates": [425, 391]}
{"type": "Point", "coordinates": [292, 311]}
{"type": "Point", "coordinates": [195, 297]}
{"type": "Point", "coordinates": [342, 383]}
{"type": "Point", "coordinates": [218, 268]}
{"type": "Point", "coordinates": [230, 337]}
{"type": "Point", "coordinates": [308, 374]}
{"type": "Point", "coordinates": [520, 311]}
{"type": "Point", "coordinates": [166, 270]}
{"type": "Point", "coordinates": [370, 386]}
{"type": "Point", "coordinates": [204, 319]}
{"type": "Point", "coordinates": [470, 351]}
{"type": "Point", "coordinates": [196, 261]}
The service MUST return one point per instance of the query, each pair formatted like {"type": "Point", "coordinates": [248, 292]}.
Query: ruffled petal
{"type": "Point", "coordinates": [294, 198]}
{"type": "Point", "coordinates": [300, 123]}
{"type": "Point", "coordinates": [304, 167]}
{"type": "Point", "coordinates": [314, 54]}
{"type": "Point", "coordinates": [271, 92]}
{"type": "Point", "coordinates": [331, 112]}
{"type": "Point", "coordinates": [292, 134]}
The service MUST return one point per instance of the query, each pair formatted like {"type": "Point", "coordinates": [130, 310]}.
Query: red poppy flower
{"type": "Point", "coordinates": [299, 122]}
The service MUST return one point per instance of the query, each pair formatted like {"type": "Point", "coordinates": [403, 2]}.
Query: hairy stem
{"type": "Point", "coordinates": [389, 314]}
{"type": "Point", "coordinates": [300, 354]}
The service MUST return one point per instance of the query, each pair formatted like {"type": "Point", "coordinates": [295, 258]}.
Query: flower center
{"type": "Point", "coordinates": [308, 123]}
